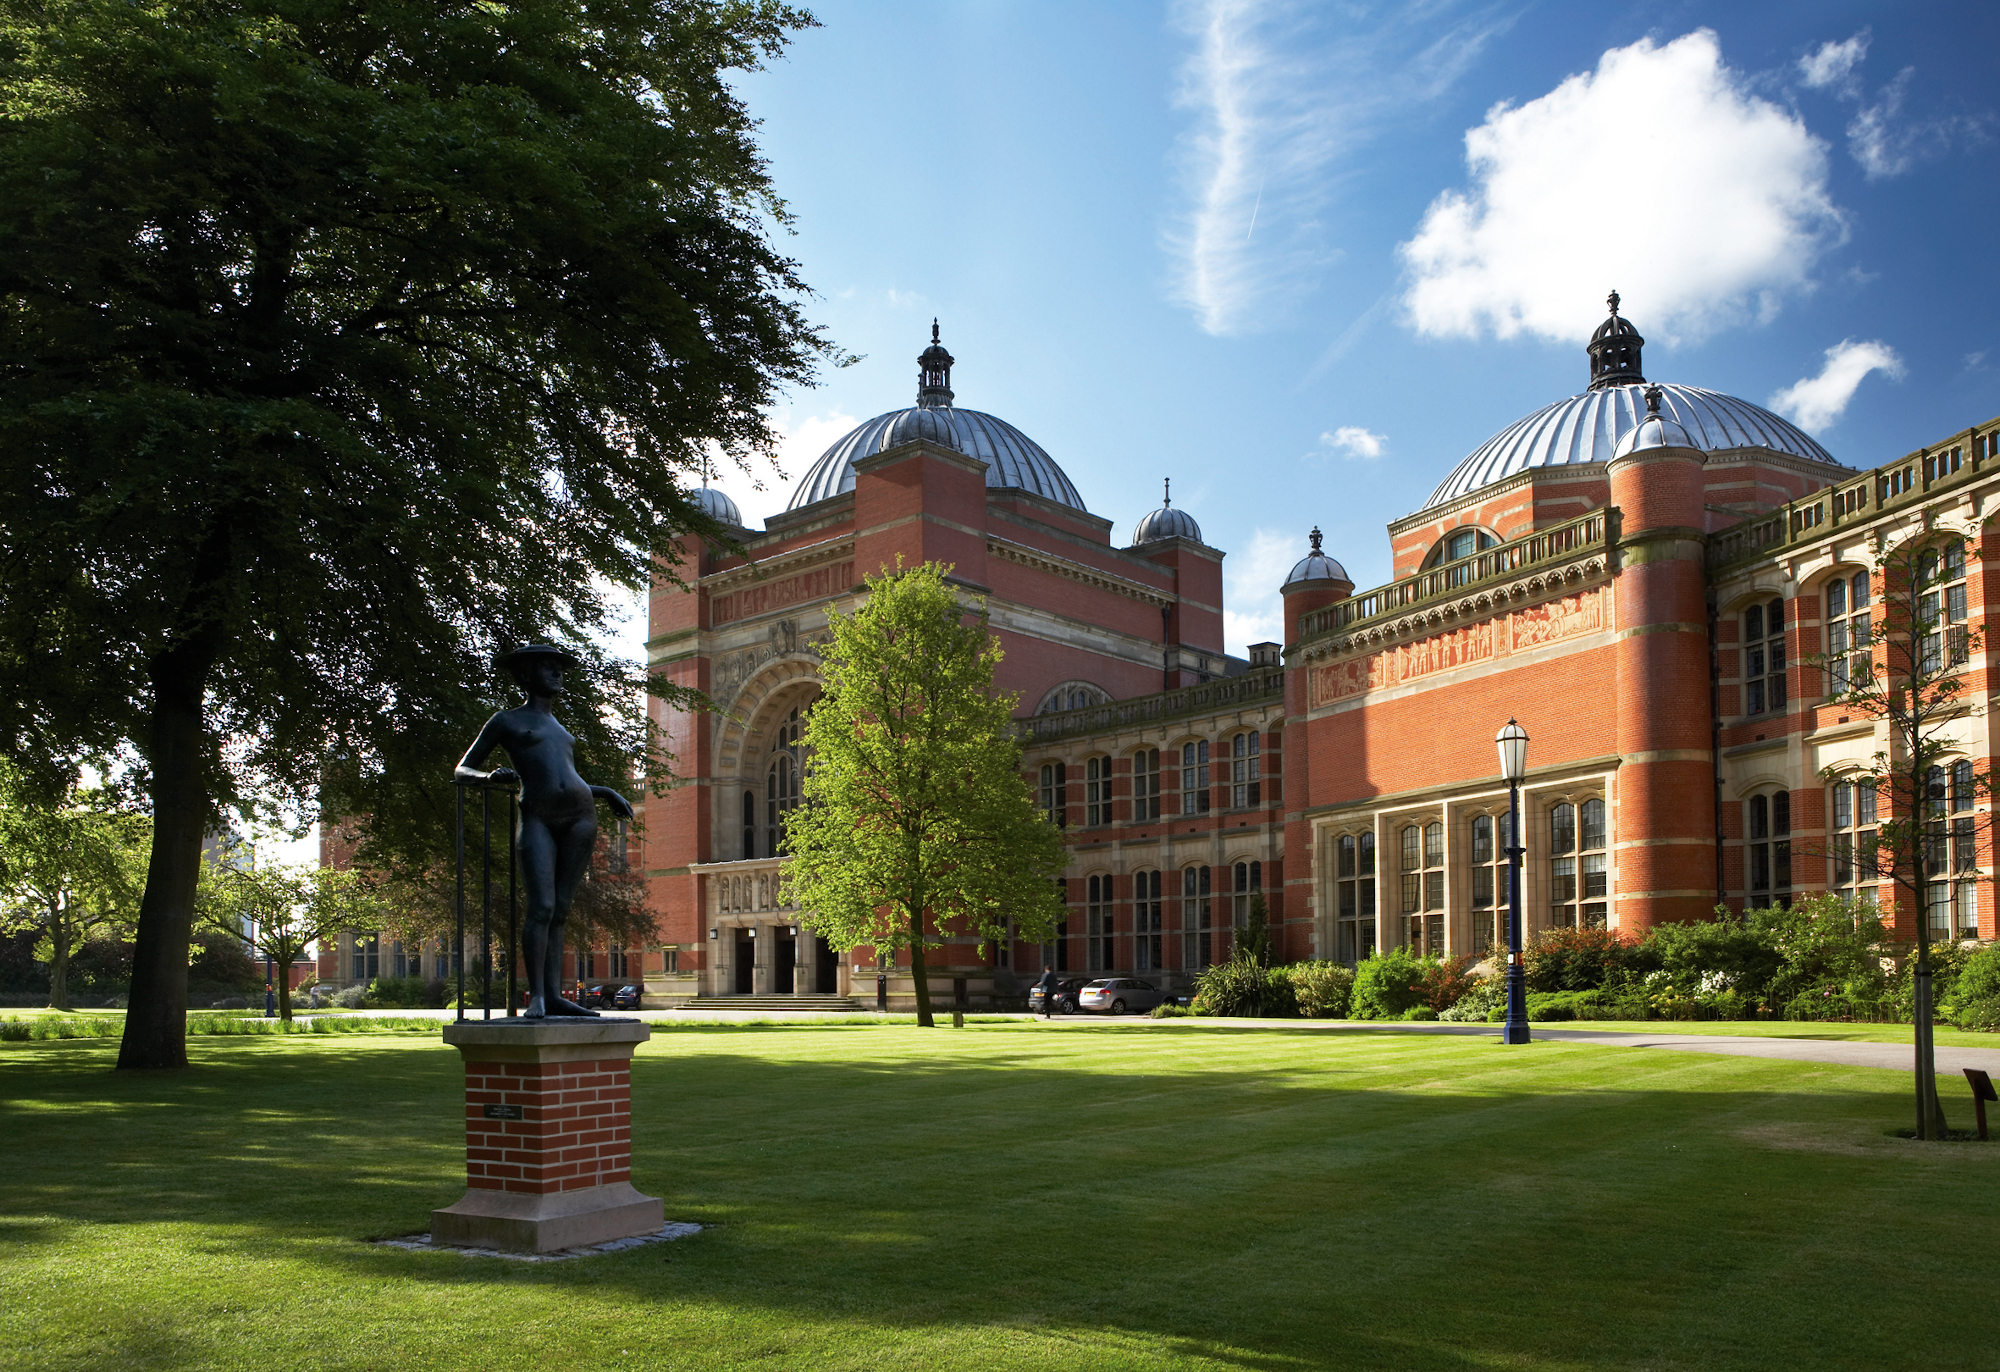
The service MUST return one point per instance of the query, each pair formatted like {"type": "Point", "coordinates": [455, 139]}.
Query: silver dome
{"type": "Point", "coordinates": [1166, 522]}
{"type": "Point", "coordinates": [1315, 566]}
{"type": "Point", "coordinates": [716, 506]}
{"type": "Point", "coordinates": [1588, 427]}
{"type": "Point", "coordinates": [1013, 460]}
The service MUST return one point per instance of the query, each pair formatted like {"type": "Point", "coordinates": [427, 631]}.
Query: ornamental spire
{"type": "Point", "coordinates": [1614, 351]}
{"type": "Point", "coordinates": [1166, 501]}
{"type": "Point", "coordinates": [934, 375]}
{"type": "Point", "coordinates": [1315, 540]}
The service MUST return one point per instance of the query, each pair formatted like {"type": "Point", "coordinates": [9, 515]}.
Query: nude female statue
{"type": "Point", "coordinates": [558, 824]}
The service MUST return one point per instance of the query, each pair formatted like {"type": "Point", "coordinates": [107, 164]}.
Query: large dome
{"type": "Point", "coordinates": [1588, 427]}
{"type": "Point", "coordinates": [1013, 460]}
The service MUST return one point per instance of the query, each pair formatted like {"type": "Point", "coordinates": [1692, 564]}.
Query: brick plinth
{"type": "Point", "coordinates": [548, 1136]}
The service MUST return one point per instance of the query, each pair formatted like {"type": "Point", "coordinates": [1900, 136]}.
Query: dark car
{"type": "Point", "coordinates": [1067, 990]}
{"type": "Point", "coordinates": [625, 998]}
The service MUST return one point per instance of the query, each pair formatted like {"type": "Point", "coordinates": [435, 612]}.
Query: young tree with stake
{"type": "Point", "coordinates": [281, 911]}
{"type": "Point", "coordinates": [916, 824]}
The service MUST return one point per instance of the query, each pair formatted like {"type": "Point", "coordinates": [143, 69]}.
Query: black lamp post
{"type": "Point", "coordinates": [1513, 741]}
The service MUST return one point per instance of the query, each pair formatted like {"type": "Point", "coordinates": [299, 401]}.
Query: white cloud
{"type": "Point", "coordinates": [1253, 611]}
{"type": "Point", "coordinates": [1814, 403]}
{"type": "Point", "coordinates": [1886, 144]}
{"type": "Point", "coordinates": [1832, 66]}
{"type": "Point", "coordinates": [1352, 441]}
{"type": "Point", "coordinates": [1280, 92]}
{"type": "Point", "coordinates": [1659, 174]}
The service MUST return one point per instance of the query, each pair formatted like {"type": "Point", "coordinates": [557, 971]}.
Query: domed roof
{"type": "Point", "coordinates": [1588, 428]}
{"type": "Point", "coordinates": [716, 506]}
{"type": "Point", "coordinates": [1013, 460]}
{"type": "Point", "coordinates": [1654, 431]}
{"type": "Point", "coordinates": [1166, 522]}
{"type": "Point", "coordinates": [1315, 566]}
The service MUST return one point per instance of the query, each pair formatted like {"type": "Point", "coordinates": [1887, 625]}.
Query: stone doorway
{"type": "Point", "coordinates": [784, 963]}
{"type": "Point", "coordinates": [826, 965]}
{"type": "Point", "coordinates": [746, 964]}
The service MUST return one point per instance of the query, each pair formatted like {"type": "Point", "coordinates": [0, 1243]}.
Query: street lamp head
{"type": "Point", "coordinates": [1513, 742]}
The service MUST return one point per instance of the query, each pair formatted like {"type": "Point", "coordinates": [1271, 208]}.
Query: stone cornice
{"type": "Point", "coordinates": [1545, 581]}
{"type": "Point", "coordinates": [810, 555]}
{"type": "Point", "coordinates": [1075, 571]}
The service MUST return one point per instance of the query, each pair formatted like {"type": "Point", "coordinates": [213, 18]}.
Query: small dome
{"type": "Point", "coordinates": [1166, 522]}
{"type": "Point", "coordinates": [1316, 566]}
{"type": "Point", "coordinates": [1654, 431]}
{"type": "Point", "coordinates": [716, 506]}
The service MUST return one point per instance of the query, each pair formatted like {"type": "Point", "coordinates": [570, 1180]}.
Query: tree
{"type": "Point", "coordinates": [1903, 666]}
{"type": "Point", "coordinates": [340, 348]}
{"type": "Point", "coordinates": [280, 911]}
{"type": "Point", "coordinates": [916, 823]}
{"type": "Point", "coordinates": [68, 871]}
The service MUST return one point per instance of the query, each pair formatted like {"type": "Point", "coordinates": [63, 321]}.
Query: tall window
{"type": "Point", "coordinates": [1764, 658]}
{"type": "Point", "coordinates": [1941, 609]}
{"type": "Point", "coordinates": [1197, 933]}
{"type": "Point", "coordinates": [1423, 887]}
{"type": "Point", "coordinates": [1847, 633]}
{"type": "Point", "coordinates": [1062, 927]}
{"type": "Point", "coordinates": [618, 962]}
{"type": "Point", "coordinates": [586, 963]}
{"type": "Point", "coordinates": [1489, 883]}
{"type": "Point", "coordinates": [1145, 785]}
{"type": "Point", "coordinates": [1146, 923]}
{"type": "Point", "coordinates": [1248, 881]}
{"type": "Point", "coordinates": [781, 784]}
{"type": "Point", "coordinates": [1194, 778]}
{"type": "Point", "coordinates": [1855, 865]}
{"type": "Point", "coordinates": [1244, 787]}
{"type": "Point", "coordinates": [1354, 896]}
{"type": "Point", "coordinates": [750, 824]}
{"type": "Point", "coordinates": [1097, 924]}
{"type": "Point", "coordinates": [398, 963]}
{"type": "Point", "coordinates": [1055, 794]}
{"type": "Point", "coordinates": [1767, 830]}
{"type": "Point", "coordinates": [1950, 852]}
{"type": "Point", "coordinates": [1578, 880]}
{"type": "Point", "coordinates": [1097, 790]}
{"type": "Point", "coordinates": [367, 957]}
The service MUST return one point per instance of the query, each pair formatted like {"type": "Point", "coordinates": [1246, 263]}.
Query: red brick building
{"type": "Point", "coordinates": [1637, 588]}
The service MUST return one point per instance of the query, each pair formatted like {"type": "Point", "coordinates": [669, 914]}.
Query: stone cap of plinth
{"type": "Point", "coordinates": [546, 1040]}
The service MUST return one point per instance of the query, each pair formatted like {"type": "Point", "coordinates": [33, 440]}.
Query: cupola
{"type": "Point", "coordinates": [1166, 522]}
{"type": "Point", "coordinates": [1315, 568]}
{"type": "Point", "coordinates": [934, 374]}
{"type": "Point", "coordinates": [1614, 351]}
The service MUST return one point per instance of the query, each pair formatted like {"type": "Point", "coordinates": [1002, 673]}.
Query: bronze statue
{"type": "Point", "coordinates": [558, 823]}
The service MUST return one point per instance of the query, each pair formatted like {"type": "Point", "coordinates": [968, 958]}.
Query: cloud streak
{"type": "Point", "coordinates": [1660, 173]}
{"type": "Point", "coordinates": [1816, 403]}
{"type": "Point", "coordinates": [1353, 441]}
{"type": "Point", "coordinates": [1280, 93]}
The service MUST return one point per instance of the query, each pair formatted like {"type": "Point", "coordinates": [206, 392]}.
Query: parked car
{"type": "Point", "coordinates": [625, 998]}
{"type": "Point", "coordinates": [1118, 995]}
{"type": "Point", "coordinates": [1067, 990]}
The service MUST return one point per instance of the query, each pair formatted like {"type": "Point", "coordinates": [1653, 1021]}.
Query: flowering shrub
{"type": "Point", "coordinates": [1573, 959]}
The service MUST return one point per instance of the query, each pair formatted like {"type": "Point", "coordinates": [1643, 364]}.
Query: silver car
{"type": "Point", "coordinates": [1116, 995]}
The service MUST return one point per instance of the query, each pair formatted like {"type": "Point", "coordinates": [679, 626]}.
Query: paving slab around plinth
{"type": "Point", "coordinates": [421, 1243]}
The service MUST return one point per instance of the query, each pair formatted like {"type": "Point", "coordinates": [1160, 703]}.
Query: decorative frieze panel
{"type": "Point", "coordinates": [1512, 631]}
{"type": "Point", "coordinates": [814, 583]}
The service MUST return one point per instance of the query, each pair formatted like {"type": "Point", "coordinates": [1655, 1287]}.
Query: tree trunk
{"type": "Point", "coordinates": [917, 974]}
{"type": "Point", "coordinates": [156, 1018]}
{"type": "Point", "coordinates": [59, 956]}
{"type": "Point", "coordinates": [284, 984]}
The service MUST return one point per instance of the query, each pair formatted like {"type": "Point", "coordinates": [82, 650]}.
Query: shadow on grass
{"type": "Point", "coordinates": [1256, 1198]}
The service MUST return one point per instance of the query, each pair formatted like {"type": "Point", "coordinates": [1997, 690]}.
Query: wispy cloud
{"type": "Point", "coordinates": [1835, 66]}
{"type": "Point", "coordinates": [1723, 206]}
{"type": "Point", "coordinates": [1280, 92]}
{"type": "Point", "coordinates": [1351, 441]}
{"type": "Point", "coordinates": [1881, 137]}
{"type": "Point", "coordinates": [1254, 612]}
{"type": "Point", "coordinates": [1815, 403]}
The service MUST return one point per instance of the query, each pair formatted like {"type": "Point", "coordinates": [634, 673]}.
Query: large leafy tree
{"type": "Point", "coordinates": [339, 347]}
{"type": "Point", "coordinates": [1905, 665]}
{"type": "Point", "coordinates": [916, 823]}
{"type": "Point", "coordinates": [70, 869]}
{"type": "Point", "coordinates": [280, 911]}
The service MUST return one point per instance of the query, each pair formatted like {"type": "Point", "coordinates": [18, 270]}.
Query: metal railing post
{"type": "Point", "coordinates": [513, 904]}
{"type": "Point", "coordinates": [458, 901]}
{"type": "Point", "coordinates": [486, 900]}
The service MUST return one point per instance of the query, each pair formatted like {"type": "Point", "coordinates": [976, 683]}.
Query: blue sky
{"type": "Point", "coordinates": [1303, 258]}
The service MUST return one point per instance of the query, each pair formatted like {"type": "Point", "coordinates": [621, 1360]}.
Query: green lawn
{"type": "Point", "coordinates": [1942, 1034]}
{"type": "Point", "coordinates": [1009, 1196]}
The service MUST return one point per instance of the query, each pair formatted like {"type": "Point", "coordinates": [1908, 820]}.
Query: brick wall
{"type": "Point", "coordinates": [575, 1128]}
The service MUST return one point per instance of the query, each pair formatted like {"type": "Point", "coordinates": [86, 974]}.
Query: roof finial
{"type": "Point", "coordinates": [1315, 539]}
{"type": "Point", "coordinates": [1168, 499]}
{"type": "Point", "coordinates": [934, 374]}
{"type": "Point", "coordinates": [1653, 401]}
{"type": "Point", "coordinates": [1612, 300]}
{"type": "Point", "coordinates": [934, 332]}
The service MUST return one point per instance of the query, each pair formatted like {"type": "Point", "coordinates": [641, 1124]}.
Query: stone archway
{"type": "Point", "coordinates": [745, 735]}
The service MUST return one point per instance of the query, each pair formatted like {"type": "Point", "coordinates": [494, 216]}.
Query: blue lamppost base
{"type": "Point", "coordinates": [1516, 1028]}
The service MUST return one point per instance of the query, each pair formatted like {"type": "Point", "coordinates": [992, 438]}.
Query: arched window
{"type": "Point", "coordinates": [781, 784]}
{"type": "Point", "coordinates": [1145, 785]}
{"type": "Point", "coordinates": [1847, 633]}
{"type": "Point", "coordinates": [1054, 794]}
{"type": "Point", "coordinates": [1098, 923]}
{"type": "Point", "coordinates": [1767, 830]}
{"type": "Point", "coordinates": [1194, 778]}
{"type": "Point", "coordinates": [1244, 786]}
{"type": "Point", "coordinates": [1457, 544]}
{"type": "Point", "coordinates": [1146, 922]}
{"type": "Point", "coordinates": [1097, 791]}
{"type": "Point", "coordinates": [1578, 880]}
{"type": "Point", "coordinates": [1951, 852]}
{"type": "Point", "coordinates": [1423, 887]}
{"type": "Point", "coordinates": [1354, 896]}
{"type": "Point", "coordinates": [1197, 933]}
{"type": "Point", "coordinates": [1855, 860]}
{"type": "Point", "coordinates": [1764, 658]}
{"type": "Point", "coordinates": [1942, 638]}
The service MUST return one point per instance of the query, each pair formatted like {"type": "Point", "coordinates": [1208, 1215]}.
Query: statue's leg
{"type": "Point", "coordinates": [572, 863]}
{"type": "Point", "coordinates": [537, 849]}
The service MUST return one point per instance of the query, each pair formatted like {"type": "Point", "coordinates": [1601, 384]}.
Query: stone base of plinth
{"type": "Point", "coordinates": [548, 1136]}
{"type": "Point", "coordinates": [542, 1224]}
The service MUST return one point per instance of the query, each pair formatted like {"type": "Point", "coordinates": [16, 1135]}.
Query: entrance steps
{"type": "Point", "coordinates": [776, 1001]}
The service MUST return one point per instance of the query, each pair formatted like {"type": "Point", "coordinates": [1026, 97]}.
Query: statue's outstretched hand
{"type": "Point", "coordinates": [620, 806]}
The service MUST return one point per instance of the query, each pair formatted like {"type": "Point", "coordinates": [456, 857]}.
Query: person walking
{"type": "Point", "coordinates": [1047, 986]}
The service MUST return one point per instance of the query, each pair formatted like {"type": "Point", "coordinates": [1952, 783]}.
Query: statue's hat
{"type": "Point", "coordinates": [520, 657]}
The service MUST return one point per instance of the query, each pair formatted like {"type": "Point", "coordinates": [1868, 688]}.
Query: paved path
{"type": "Point", "coordinates": [1891, 1056]}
